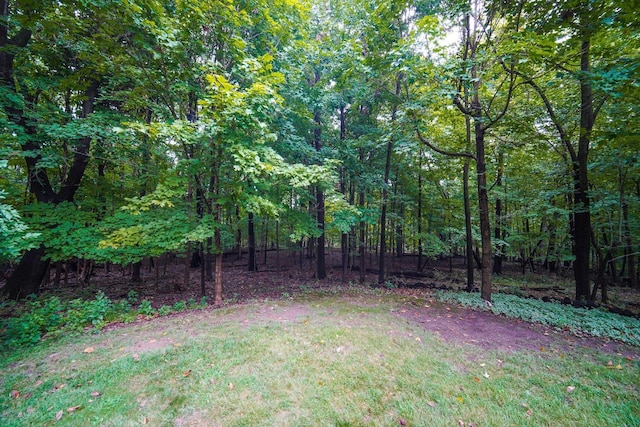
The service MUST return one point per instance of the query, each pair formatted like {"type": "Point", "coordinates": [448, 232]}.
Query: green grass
{"type": "Point", "coordinates": [321, 359]}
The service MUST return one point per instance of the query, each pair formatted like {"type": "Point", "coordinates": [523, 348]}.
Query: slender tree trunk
{"type": "Point", "coordinates": [419, 214]}
{"type": "Point", "coordinates": [344, 241]}
{"type": "Point", "coordinates": [497, 232]}
{"type": "Point", "coordinates": [251, 242]}
{"type": "Point", "coordinates": [238, 236]}
{"type": "Point", "coordinates": [266, 240]}
{"type": "Point", "coordinates": [362, 267]}
{"type": "Point", "coordinates": [203, 282]}
{"type": "Point", "coordinates": [631, 262]}
{"type": "Point", "coordinates": [385, 192]}
{"type": "Point", "coordinates": [277, 245]}
{"type": "Point", "coordinates": [383, 220]}
{"type": "Point", "coordinates": [321, 267]}
{"type": "Point", "coordinates": [217, 236]}
{"type": "Point", "coordinates": [467, 226]}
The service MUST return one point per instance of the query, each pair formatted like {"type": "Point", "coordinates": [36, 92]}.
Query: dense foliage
{"type": "Point", "coordinates": [140, 128]}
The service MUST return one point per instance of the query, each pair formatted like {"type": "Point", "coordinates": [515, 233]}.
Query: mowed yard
{"type": "Point", "coordinates": [326, 358]}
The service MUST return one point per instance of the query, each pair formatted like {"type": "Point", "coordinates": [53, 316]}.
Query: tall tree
{"type": "Point", "coordinates": [565, 37]}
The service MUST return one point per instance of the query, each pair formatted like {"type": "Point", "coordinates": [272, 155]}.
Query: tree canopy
{"type": "Point", "coordinates": [134, 129]}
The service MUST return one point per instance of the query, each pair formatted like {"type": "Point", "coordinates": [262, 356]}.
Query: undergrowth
{"type": "Point", "coordinates": [26, 324]}
{"type": "Point", "coordinates": [596, 322]}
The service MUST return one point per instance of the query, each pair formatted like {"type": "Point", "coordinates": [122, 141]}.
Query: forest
{"type": "Point", "coordinates": [494, 131]}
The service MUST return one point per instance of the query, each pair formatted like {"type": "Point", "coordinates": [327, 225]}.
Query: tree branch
{"type": "Point", "coordinates": [552, 114]}
{"type": "Point", "coordinates": [441, 151]}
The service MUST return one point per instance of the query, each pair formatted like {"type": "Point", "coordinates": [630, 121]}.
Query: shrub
{"type": "Point", "coordinates": [50, 316]}
{"type": "Point", "coordinates": [164, 310]}
{"type": "Point", "coordinates": [179, 306]}
{"type": "Point", "coordinates": [145, 308]}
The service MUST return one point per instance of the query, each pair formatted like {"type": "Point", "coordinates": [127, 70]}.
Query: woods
{"type": "Point", "coordinates": [134, 130]}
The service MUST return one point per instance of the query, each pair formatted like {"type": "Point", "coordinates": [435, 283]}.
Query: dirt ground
{"type": "Point", "coordinates": [286, 274]}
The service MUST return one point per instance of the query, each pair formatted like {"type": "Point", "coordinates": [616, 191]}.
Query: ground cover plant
{"type": "Point", "coordinates": [338, 357]}
{"type": "Point", "coordinates": [597, 322]}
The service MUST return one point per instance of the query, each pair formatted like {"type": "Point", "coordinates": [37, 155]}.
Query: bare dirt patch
{"type": "Point", "coordinates": [493, 332]}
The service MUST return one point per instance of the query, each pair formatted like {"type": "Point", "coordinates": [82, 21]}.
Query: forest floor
{"type": "Point", "coordinates": [287, 275]}
{"type": "Point", "coordinates": [287, 349]}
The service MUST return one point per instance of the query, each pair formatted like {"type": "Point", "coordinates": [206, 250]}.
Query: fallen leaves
{"type": "Point", "coordinates": [59, 415]}
{"type": "Point", "coordinates": [88, 350]}
{"type": "Point", "coordinates": [570, 389]}
{"type": "Point", "coordinates": [611, 366]}
{"type": "Point", "coordinates": [14, 394]}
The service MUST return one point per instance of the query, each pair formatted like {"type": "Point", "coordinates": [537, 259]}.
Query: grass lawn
{"type": "Point", "coordinates": [315, 360]}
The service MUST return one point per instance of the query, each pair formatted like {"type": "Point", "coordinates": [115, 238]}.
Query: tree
{"type": "Point", "coordinates": [557, 35]}
{"type": "Point", "coordinates": [32, 109]}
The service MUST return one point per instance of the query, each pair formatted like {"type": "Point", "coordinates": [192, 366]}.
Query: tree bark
{"type": "Point", "coordinates": [497, 232]}
{"type": "Point", "coordinates": [631, 261]}
{"type": "Point", "coordinates": [362, 233]}
{"type": "Point", "coordinates": [581, 232]}
{"type": "Point", "coordinates": [467, 226]}
{"type": "Point", "coordinates": [419, 214]}
{"type": "Point", "coordinates": [28, 275]}
{"type": "Point", "coordinates": [483, 205]}
{"type": "Point", "coordinates": [251, 242]}
{"type": "Point", "coordinates": [385, 191]}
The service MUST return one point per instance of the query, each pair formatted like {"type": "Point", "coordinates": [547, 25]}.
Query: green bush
{"type": "Point", "coordinates": [23, 325]}
{"type": "Point", "coordinates": [50, 316]}
{"type": "Point", "coordinates": [145, 308]}
{"type": "Point", "coordinates": [164, 310]}
{"type": "Point", "coordinates": [179, 306]}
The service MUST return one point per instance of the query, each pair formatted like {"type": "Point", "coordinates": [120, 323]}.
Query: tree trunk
{"type": "Point", "coordinates": [497, 232]}
{"type": "Point", "coordinates": [467, 226]}
{"type": "Point", "coordinates": [135, 272]}
{"type": "Point", "coordinates": [251, 242]}
{"type": "Point", "coordinates": [419, 214]}
{"type": "Point", "coordinates": [266, 240]}
{"type": "Point", "coordinates": [321, 266]}
{"type": "Point", "coordinates": [581, 232]}
{"type": "Point", "coordinates": [28, 275]}
{"type": "Point", "coordinates": [361, 239]}
{"type": "Point", "coordinates": [630, 257]}
{"type": "Point", "coordinates": [385, 191]}
{"type": "Point", "coordinates": [344, 240]}
{"type": "Point", "coordinates": [238, 236]}
{"type": "Point", "coordinates": [483, 205]}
